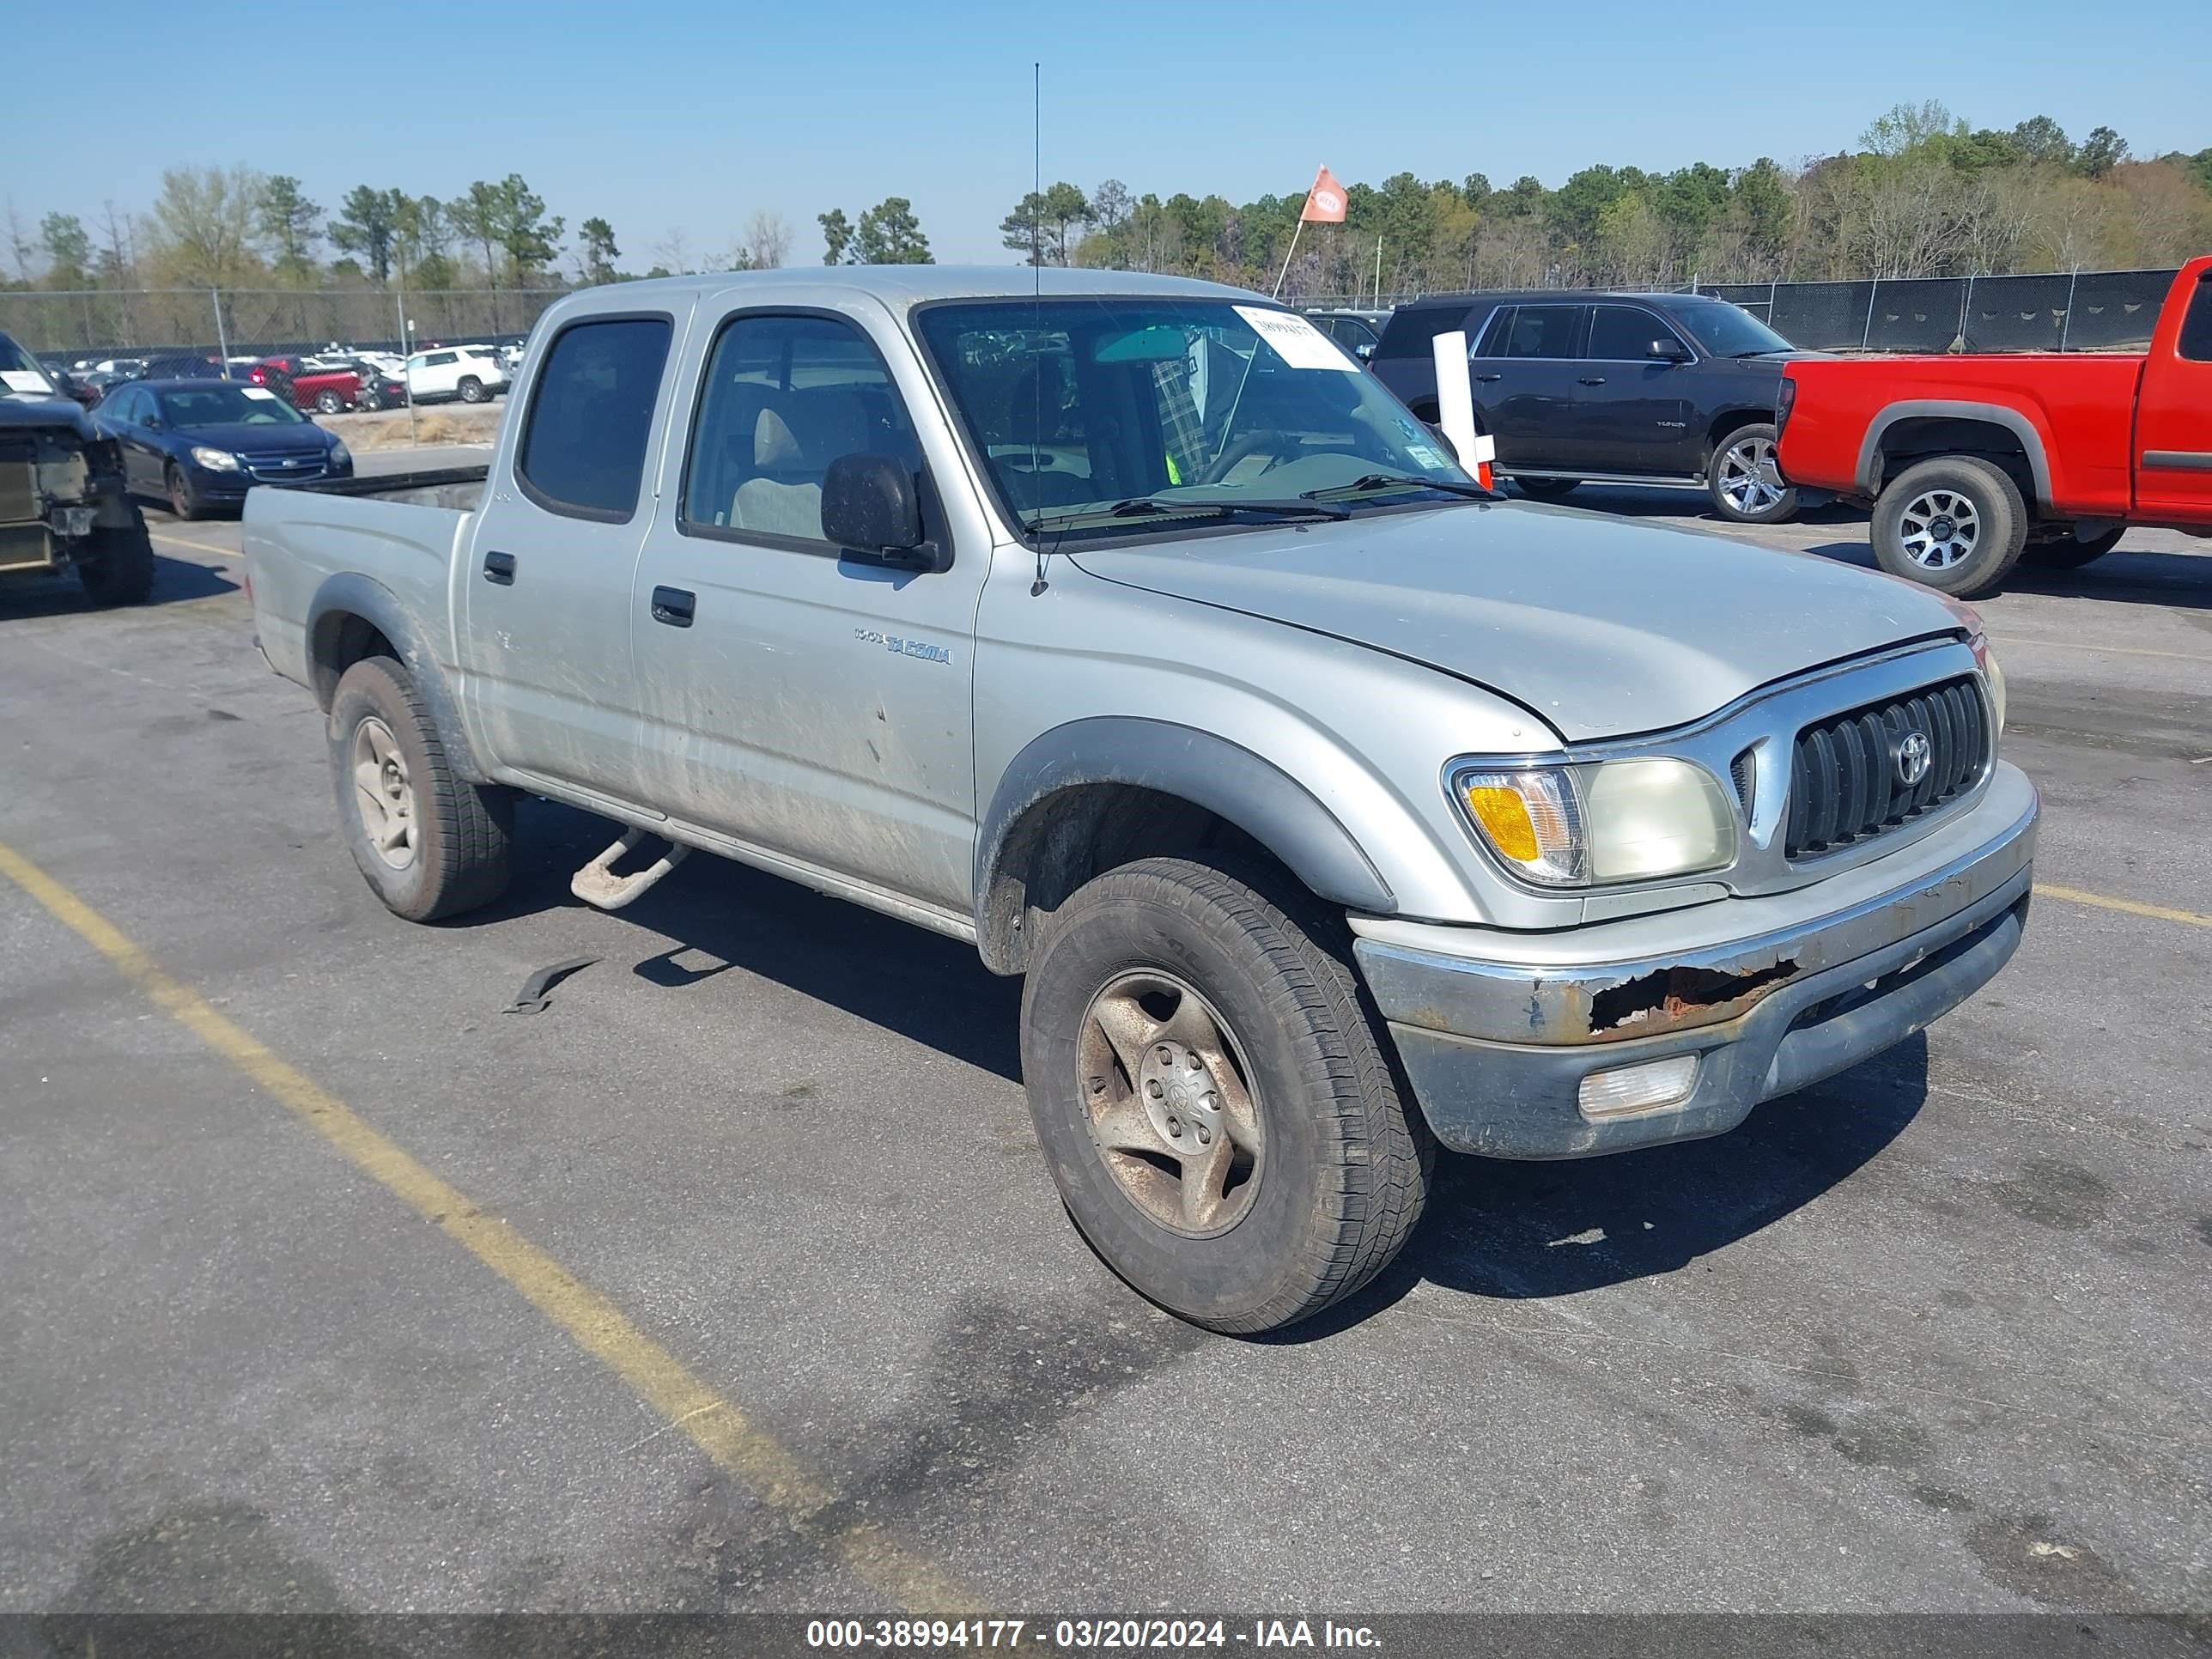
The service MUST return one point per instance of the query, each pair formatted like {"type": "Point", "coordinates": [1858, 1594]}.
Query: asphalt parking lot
{"type": "Point", "coordinates": [734, 1279]}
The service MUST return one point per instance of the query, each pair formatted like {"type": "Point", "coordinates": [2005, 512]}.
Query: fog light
{"type": "Point", "coordinates": [1638, 1088]}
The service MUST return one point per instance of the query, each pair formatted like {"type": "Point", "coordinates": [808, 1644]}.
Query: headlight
{"type": "Point", "coordinates": [215, 460]}
{"type": "Point", "coordinates": [340, 455]}
{"type": "Point", "coordinates": [1580, 826]}
{"type": "Point", "coordinates": [1992, 676]}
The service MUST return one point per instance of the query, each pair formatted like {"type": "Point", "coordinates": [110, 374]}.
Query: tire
{"type": "Point", "coordinates": [457, 833]}
{"type": "Point", "coordinates": [1973, 500]}
{"type": "Point", "coordinates": [2069, 552]}
{"type": "Point", "coordinates": [472, 389]}
{"type": "Point", "coordinates": [1341, 1167]}
{"type": "Point", "coordinates": [329, 403]}
{"type": "Point", "coordinates": [183, 499]}
{"type": "Point", "coordinates": [117, 566]}
{"type": "Point", "coordinates": [1547, 490]}
{"type": "Point", "coordinates": [1741, 480]}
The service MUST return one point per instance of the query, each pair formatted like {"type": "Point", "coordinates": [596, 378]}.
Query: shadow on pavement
{"type": "Point", "coordinates": [175, 581]}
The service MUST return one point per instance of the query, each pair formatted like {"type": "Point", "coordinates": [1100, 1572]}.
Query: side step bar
{"type": "Point", "coordinates": [597, 885]}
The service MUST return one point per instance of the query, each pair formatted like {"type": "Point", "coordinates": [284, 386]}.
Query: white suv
{"type": "Point", "coordinates": [472, 374]}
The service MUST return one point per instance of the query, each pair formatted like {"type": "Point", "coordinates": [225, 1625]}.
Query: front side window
{"type": "Point", "coordinates": [1621, 334]}
{"type": "Point", "coordinates": [591, 416]}
{"type": "Point", "coordinates": [1543, 332]}
{"type": "Point", "coordinates": [785, 396]}
{"type": "Point", "coordinates": [21, 371]}
{"type": "Point", "coordinates": [2197, 326]}
{"type": "Point", "coordinates": [1111, 416]}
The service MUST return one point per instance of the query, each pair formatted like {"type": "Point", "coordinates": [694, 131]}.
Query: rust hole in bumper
{"type": "Point", "coordinates": [1671, 995]}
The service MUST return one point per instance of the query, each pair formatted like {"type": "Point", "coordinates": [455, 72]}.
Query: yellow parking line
{"type": "Point", "coordinates": [2084, 645]}
{"type": "Point", "coordinates": [710, 1421]}
{"type": "Point", "coordinates": [2131, 907]}
{"type": "Point", "coordinates": [198, 547]}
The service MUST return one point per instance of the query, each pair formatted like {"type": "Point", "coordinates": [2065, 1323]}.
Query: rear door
{"type": "Point", "coordinates": [1525, 382]}
{"type": "Point", "coordinates": [1629, 407]}
{"type": "Point", "coordinates": [549, 683]}
{"type": "Point", "coordinates": [2173, 416]}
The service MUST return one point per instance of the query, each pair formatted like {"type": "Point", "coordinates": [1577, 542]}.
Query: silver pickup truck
{"type": "Point", "coordinates": [1333, 807]}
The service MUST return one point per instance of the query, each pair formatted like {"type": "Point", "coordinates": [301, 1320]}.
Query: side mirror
{"type": "Point", "coordinates": [871, 507]}
{"type": "Point", "coordinates": [152, 423]}
{"type": "Point", "coordinates": [1668, 351]}
{"type": "Point", "coordinates": [1365, 350]}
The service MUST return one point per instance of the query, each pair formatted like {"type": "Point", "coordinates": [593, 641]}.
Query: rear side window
{"type": "Point", "coordinates": [1543, 332]}
{"type": "Point", "coordinates": [591, 414]}
{"type": "Point", "coordinates": [1411, 328]}
{"type": "Point", "coordinates": [2197, 326]}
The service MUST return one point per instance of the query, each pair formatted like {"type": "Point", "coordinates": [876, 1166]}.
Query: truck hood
{"type": "Point", "coordinates": [1601, 627]}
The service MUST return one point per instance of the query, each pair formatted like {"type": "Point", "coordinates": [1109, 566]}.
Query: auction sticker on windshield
{"type": "Point", "coordinates": [22, 380]}
{"type": "Point", "coordinates": [1295, 341]}
{"type": "Point", "coordinates": [260, 391]}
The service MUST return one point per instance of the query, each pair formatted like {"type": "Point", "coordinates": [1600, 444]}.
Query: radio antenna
{"type": "Point", "coordinates": [1036, 277]}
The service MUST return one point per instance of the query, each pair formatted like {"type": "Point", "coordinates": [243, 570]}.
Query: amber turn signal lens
{"type": "Point", "coordinates": [1503, 817]}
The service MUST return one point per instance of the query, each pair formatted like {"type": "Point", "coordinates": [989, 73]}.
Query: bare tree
{"type": "Point", "coordinates": [767, 241]}
{"type": "Point", "coordinates": [204, 222]}
{"type": "Point", "coordinates": [672, 252]}
{"type": "Point", "coordinates": [20, 245]}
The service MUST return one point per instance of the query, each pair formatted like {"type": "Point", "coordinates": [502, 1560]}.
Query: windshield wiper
{"type": "Point", "coordinates": [1139, 506]}
{"type": "Point", "coordinates": [1401, 480]}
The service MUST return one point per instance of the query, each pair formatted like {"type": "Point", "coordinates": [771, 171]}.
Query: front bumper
{"type": "Point", "coordinates": [1497, 1030]}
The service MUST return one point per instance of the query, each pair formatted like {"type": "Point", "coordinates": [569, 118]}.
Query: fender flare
{"type": "Point", "coordinates": [1227, 780]}
{"type": "Point", "coordinates": [349, 594]}
{"type": "Point", "coordinates": [1939, 409]}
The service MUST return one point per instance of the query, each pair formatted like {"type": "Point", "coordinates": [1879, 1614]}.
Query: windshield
{"type": "Point", "coordinates": [1080, 407]}
{"type": "Point", "coordinates": [1727, 330]}
{"type": "Point", "coordinates": [220, 403]}
{"type": "Point", "coordinates": [19, 370]}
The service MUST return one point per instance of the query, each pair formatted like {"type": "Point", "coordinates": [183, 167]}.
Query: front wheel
{"type": "Point", "coordinates": [1957, 524]}
{"type": "Point", "coordinates": [183, 499]}
{"type": "Point", "coordinates": [431, 842]}
{"type": "Point", "coordinates": [471, 390]}
{"type": "Point", "coordinates": [116, 565]}
{"type": "Point", "coordinates": [2071, 552]}
{"type": "Point", "coordinates": [1744, 481]}
{"type": "Point", "coordinates": [1547, 490]}
{"type": "Point", "coordinates": [1213, 1099]}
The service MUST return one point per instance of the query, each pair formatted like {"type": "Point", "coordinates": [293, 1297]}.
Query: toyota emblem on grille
{"type": "Point", "coordinates": [1911, 755]}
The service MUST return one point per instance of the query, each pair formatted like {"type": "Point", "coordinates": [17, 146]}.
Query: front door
{"type": "Point", "coordinates": [547, 674]}
{"type": "Point", "coordinates": [807, 703]}
{"type": "Point", "coordinates": [2173, 418]}
{"type": "Point", "coordinates": [1628, 408]}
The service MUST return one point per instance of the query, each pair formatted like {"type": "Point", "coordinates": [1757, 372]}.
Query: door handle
{"type": "Point", "coordinates": [500, 567]}
{"type": "Point", "coordinates": [1490, 377]}
{"type": "Point", "coordinates": [1592, 380]}
{"type": "Point", "coordinates": [674, 605]}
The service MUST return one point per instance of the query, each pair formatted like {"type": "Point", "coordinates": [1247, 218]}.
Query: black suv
{"type": "Point", "coordinates": [1669, 389]}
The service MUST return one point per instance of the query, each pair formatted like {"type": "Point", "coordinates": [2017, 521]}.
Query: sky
{"type": "Point", "coordinates": [687, 115]}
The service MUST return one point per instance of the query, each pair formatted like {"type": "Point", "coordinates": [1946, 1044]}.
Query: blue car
{"type": "Point", "coordinates": [202, 444]}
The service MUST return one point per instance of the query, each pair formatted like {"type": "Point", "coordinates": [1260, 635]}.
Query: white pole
{"type": "Point", "coordinates": [1287, 257]}
{"type": "Point", "coordinates": [1455, 395]}
{"type": "Point", "coordinates": [221, 341]}
{"type": "Point", "coordinates": [1378, 273]}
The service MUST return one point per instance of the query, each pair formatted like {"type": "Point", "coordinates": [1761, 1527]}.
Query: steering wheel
{"type": "Point", "coordinates": [1275, 443]}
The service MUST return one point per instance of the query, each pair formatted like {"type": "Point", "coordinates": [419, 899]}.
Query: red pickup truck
{"type": "Point", "coordinates": [327, 391]}
{"type": "Point", "coordinates": [1972, 463]}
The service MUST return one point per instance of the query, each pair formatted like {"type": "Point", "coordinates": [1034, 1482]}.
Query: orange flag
{"type": "Point", "coordinates": [1325, 201]}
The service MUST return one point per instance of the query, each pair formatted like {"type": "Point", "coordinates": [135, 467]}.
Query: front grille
{"type": "Point", "coordinates": [282, 465]}
{"type": "Point", "coordinates": [1845, 782]}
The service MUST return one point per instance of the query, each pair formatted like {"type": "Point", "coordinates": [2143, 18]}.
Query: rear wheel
{"type": "Point", "coordinates": [431, 842]}
{"type": "Point", "coordinates": [116, 566]}
{"type": "Point", "coordinates": [1213, 1097]}
{"type": "Point", "coordinates": [329, 403]}
{"type": "Point", "coordinates": [1746, 486]}
{"type": "Point", "coordinates": [472, 389]}
{"type": "Point", "coordinates": [1547, 490]}
{"type": "Point", "coordinates": [1956, 523]}
{"type": "Point", "coordinates": [2071, 552]}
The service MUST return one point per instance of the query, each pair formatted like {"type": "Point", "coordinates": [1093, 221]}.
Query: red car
{"type": "Point", "coordinates": [1971, 463]}
{"type": "Point", "coordinates": [326, 391]}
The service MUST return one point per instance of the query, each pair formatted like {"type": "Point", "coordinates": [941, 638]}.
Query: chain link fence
{"type": "Point", "coordinates": [98, 323]}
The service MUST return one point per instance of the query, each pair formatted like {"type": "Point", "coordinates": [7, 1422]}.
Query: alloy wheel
{"type": "Point", "coordinates": [383, 793]}
{"type": "Point", "coordinates": [1939, 528]}
{"type": "Point", "coordinates": [1749, 480]}
{"type": "Point", "coordinates": [1170, 1103]}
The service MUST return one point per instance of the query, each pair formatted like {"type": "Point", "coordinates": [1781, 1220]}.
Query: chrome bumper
{"type": "Point", "coordinates": [1498, 1034]}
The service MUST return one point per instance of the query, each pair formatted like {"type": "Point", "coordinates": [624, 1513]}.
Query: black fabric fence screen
{"type": "Point", "coordinates": [2092, 311]}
